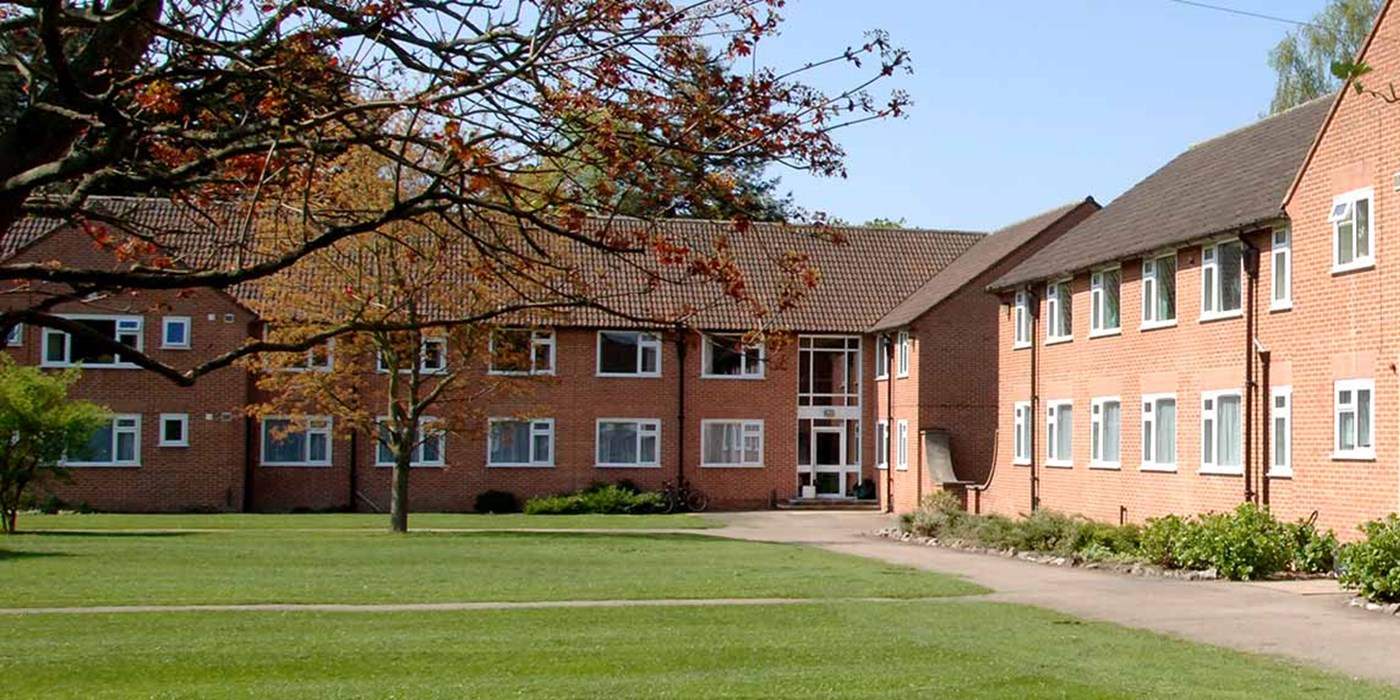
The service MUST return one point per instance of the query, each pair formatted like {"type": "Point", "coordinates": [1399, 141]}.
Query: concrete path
{"type": "Point", "coordinates": [1307, 621]}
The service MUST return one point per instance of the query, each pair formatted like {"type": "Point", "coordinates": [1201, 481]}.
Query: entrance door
{"type": "Point", "coordinates": [829, 461]}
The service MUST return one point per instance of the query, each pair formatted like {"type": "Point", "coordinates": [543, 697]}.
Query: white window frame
{"type": "Point", "coordinates": [381, 367]}
{"type": "Point", "coordinates": [652, 425]}
{"type": "Point", "coordinates": [166, 323]}
{"type": "Point", "coordinates": [1021, 321]}
{"type": "Point", "coordinates": [646, 340]}
{"type": "Point", "coordinates": [901, 448]}
{"type": "Point", "coordinates": [425, 426]}
{"type": "Point", "coordinates": [1213, 293]}
{"type": "Point", "coordinates": [1053, 412]}
{"type": "Point", "coordinates": [882, 445]}
{"type": "Point", "coordinates": [132, 427]}
{"type": "Point", "coordinates": [745, 428]}
{"type": "Point", "coordinates": [902, 349]}
{"type": "Point", "coordinates": [1152, 290]}
{"type": "Point", "coordinates": [1282, 414]}
{"type": "Point", "coordinates": [1281, 255]}
{"type": "Point", "coordinates": [1344, 211]}
{"type": "Point", "coordinates": [184, 420]}
{"type": "Point", "coordinates": [1150, 408]}
{"type": "Point", "coordinates": [134, 324]}
{"type": "Point", "coordinates": [1021, 424]}
{"type": "Point", "coordinates": [707, 356]}
{"type": "Point", "coordinates": [1098, 304]}
{"type": "Point", "coordinates": [16, 336]}
{"type": "Point", "coordinates": [538, 427]}
{"type": "Point", "coordinates": [882, 358]}
{"type": "Point", "coordinates": [1210, 452]}
{"type": "Point", "coordinates": [319, 425]}
{"type": "Point", "coordinates": [1054, 333]}
{"type": "Point", "coordinates": [538, 339]}
{"type": "Point", "coordinates": [1097, 433]}
{"type": "Point", "coordinates": [1354, 386]}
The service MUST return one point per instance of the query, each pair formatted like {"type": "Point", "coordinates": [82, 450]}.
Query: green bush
{"type": "Point", "coordinates": [1246, 543]}
{"type": "Point", "coordinates": [938, 515]}
{"type": "Point", "coordinates": [495, 501]}
{"type": "Point", "coordinates": [1372, 566]}
{"type": "Point", "coordinates": [605, 499]}
{"type": "Point", "coordinates": [1048, 531]}
{"type": "Point", "coordinates": [1157, 543]}
{"type": "Point", "coordinates": [1313, 552]}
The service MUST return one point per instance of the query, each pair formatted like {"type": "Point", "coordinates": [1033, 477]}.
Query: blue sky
{"type": "Point", "coordinates": [1022, 105]}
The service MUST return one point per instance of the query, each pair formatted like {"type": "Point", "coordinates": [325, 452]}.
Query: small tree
{"type": "Point", "coordinates": [1303, 60]}
{"type": "Point", "coordinates": [43, 425]}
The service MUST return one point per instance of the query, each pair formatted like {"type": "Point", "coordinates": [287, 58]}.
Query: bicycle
{"type": "Point", "coordinates": [683, 498]}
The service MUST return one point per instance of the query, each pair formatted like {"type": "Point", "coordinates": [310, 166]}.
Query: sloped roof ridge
{"type": "Point", "coordinates": [1259, 123]}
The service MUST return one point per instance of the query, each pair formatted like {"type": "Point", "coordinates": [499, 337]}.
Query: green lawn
{"type": "Point", "coordinates": [290, 566]}
{"type": "Point", "coordinates": [848, 650]}
{"type": "Point", "coordinates": [348, 521]}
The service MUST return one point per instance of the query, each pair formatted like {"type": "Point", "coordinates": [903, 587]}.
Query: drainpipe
{"type": "Point", "coordinates": [1267, 421]}
{"type": "Point", "coordinates": [890, 433]}
{"type": "Point", "coordinates": [1033, 311]}
{"type": "Point", "coordinates": [1251, 270]}
{"type": "Point", "coordinates": [680, 406]}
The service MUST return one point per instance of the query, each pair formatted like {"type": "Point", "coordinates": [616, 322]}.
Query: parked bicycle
{"type": "Point", "coordinates": [683, 498]}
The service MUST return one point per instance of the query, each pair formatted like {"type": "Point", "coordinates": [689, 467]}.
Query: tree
{"type": "Point", "coordinates": [43, 425]}
{"type": "Point", "coordinates": [1303, 60]}
{"type": "Point", "coordinates": [241, 112]}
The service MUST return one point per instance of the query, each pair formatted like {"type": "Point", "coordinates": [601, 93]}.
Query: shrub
{"type": "Point", "coordinates": [496, 502]}
{"type": "Point", "coordinates": [1313, 552]}
{"type": "Point", "coordinates": [1048, 531]}
{"type": "Point", "coordinates": [1372, 565]}
{"type": "Point", "coordinates": [938, 515]}
{"type": "Point", "coordinates": [606, 499]}
{"type": "Point", "coordinates": [1246, 543]}
{"type": "Point", "coordinates": [995, 531]}
{"type": "Point", "coordinates": [1158, 540]}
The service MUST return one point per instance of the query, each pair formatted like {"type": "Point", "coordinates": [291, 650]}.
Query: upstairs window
{"type": "Point", "coordinates": [882, 357]}
{"type": "Point", "coordinates": [1355, 410]}
{"type": "Point", "coordinates": [1104, 318]}
{"type": "Point", "coordinates": [175, 333]}
{"type": "Point", "coordinates": [432, 357]}
{"type": "Point", "coordinates": [62, 350]}
{"type": "Point", "coordinates": [902, 353]}
{"type": "Point", "coordinates": [1059, 312]}
{"type": "Point", "coordinates": [1222, 274]}
{"type": "Point", "coordinates": [1351, 230]}
{"type": "Point", "coordinates": [15, 337]}
{"type": "Point", "coordinates": [522, 351]}
{"type": "Point", "coordinates": [1281, 294]}
{"type": "Point", "coordinates": [1159, 291]}
{"type": "Point", "coordinates": [629, 354]}
{"type": "Point", "coordinates": [728, 356]}
{"type": "Point", "coordinates": [1022, 320]}
{"type": "Point", "coordinates": [1221, 433]}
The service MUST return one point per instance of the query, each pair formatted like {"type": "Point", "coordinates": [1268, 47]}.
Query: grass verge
{"type": "Point", "coordinates": [351, 521]}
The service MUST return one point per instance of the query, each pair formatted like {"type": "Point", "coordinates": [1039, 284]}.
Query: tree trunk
{"type": "Point", "coordinates": [7, 515]}
{"type": "Point", "coordinates": [398, 491]}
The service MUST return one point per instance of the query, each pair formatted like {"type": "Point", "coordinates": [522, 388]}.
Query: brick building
{"type": "Point", "coordinates": [607, 400]}
{"type": "Point", "coordinates": [1221, 332]}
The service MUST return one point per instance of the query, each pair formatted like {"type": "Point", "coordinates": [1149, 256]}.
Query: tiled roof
{"type": "Point", "coordinates": [977, 260]}
{"type": "Point", "coordinates": [1230, 182]}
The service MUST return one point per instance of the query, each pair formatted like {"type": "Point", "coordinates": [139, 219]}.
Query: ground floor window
{"type": "Point", "coordinates": [291, 442]}
{"type": "Point", "coordinates": [427, 447]}
{"type": "Point", "coordinates": [1221, 435]}
{"type": "Point", "coordinates": [882, 445]}
{"type": "Point", "coordinates": [116, 444]}
{"type": "Point", "coordinates": [1059, 433]}
{"type": "Point", "coordinates": [1159, 432]}
{"type": "Point", "coordinates": [901, 449]}
{"type": "Point", "coordinates": [629, 442]}
{"type": "Point", "coordinates": [1021, 434]}
{"type": "Point", "coordinates": [1105, 419]}
{"type": "Point", "coordinates": [1354, 410]}
{"type": "Point", "coordinates": [174, 430]}
{"type": "Point", "coordinates": [731, 443]}
{"type": "Point", "coordinates": [520, 443]}
{"type": "Point", "coordinates": [1281, 463]}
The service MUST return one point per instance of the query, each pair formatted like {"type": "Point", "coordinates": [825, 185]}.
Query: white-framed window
{"type": "Point", "coordinates": [882, 445]}
{"type": "Point", "coordinates": [1059, 433]}
{"type": "Point", "coordinates": [520, 442]}
{"type": "Point", "coordinates": [432, 357]}
{"type": "Point", "coordinates": [1222, 432]}
{"type": "Point", "coordinates": [116, 444]}
{"type": "Point", "coordinates": [1059, 312]}
{"type": "Point", "coordinates": [1351, 230]}
{"type": "Point", "coordinates": [15, 337]}
{"type": "Point", "coordinates": [727, 357]}
{"type": "Point", "coordinates": [901, 448]}
{"type": "Point", "coordinates": [882, 356]}
{"type": "Point", "coordinates": [1021, 433]}
{"type": "Point", "coordinates": [1281, 291]}
{"type": "Point", "coordinates": [428, 448]}
{"type": "Point", "coordinates": [1159, 432]}
{"type": "Point", "coordinates": [1222, 279]}
{"type": "Point", "coordinates": [522, 351]}
{"type": "Point", "coordinates": [63, 350]}
{"type": "Point", "coordinates": [174, 430]}
{"type": "Point", "coordinates": [629, 442]}
{"type": "Point", "coordinates": [629, 354]}
{"type": "Point", "coordinates": [175, 333]}
{"type": "Point", "coordinates": [904, 345]}
{"type": "Point", "coordinates": [1022, 320]}
{"type": "Point", "coordinates": [731, 443]}
{"type": "Point", "coordinates": [1355, 413]}
{"type": "Point", "coordinates": [1159, 291]}
{"type": "Point", "coordinates": [1105, 431]}
{"type": "Point", "coordinates": [1281, 412]}
{"type": "Point", "coordinates": [291, 442]}
{"type": "Point", "coordinates": [1104, 299]}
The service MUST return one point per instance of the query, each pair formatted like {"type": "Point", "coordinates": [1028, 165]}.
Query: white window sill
{"type": "Point", "coordinates": [627, 466]}
{"type": "Point", "coordinates": [174, 347]}
{"type": "Point", "coordinates": [1155, 325]}
{"type": "Point", "coordinates": [412, 465]}
{"type": "Point", "coordinates": [740, 377]}
{"type": "Point", "coordinates": [902, 376]}
{"type": "Point", "coordinates": [1020, 463]}
{"type": "Point", "coordinates": [1354, 456]}
{"type": "Point", "coordinates": [904, 468]}
{"type": "Point", "coordinates": [1281, 306]}
{"type": "Point", "coordinates": [522, 465]}
{"type": "Point", "coordinates": [1106, 332]}
{"type": "Point", "coordinates": [1220, 471]}
{"type": "Point", "coordinates": [1160, 468]}
{"type": "Point", "coordinates": [298, 465]}
{"type": "Point", "coordinates": [186, 443]}
{"type": "Point", "coordinates": [102, 465]}
{"type": "Point", "coordinates": [1056, 464]}
{"type": "Point", "coordinates": [1106, 466]}
{"type": "Point", "coordinates": [614, 375]}
{"type": "Point", "coordinates": [1020, 346]}
{"type": "Point", "coordinates": [730, 466]}
{"type": "Point", "coordinates": [84, 366]}
{"type": "Point", "coordinates": [1354, 266]}
{"type": "Point", "coordinates": [1222, 316]}
{"type": "Point", "coordinates": [881, 467]}
{"type": "Point", "coordinates": [1059, 340]}
{"type": "Point", "coordinates": [882, 377]}
{"type": "Point", "coordinates": [525, 373]}
{"type": "Point", "coordinates": [1280, 474]}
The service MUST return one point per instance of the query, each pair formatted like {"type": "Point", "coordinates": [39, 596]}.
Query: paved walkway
{"type": "Point", "coordinates": [1305, 620]}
